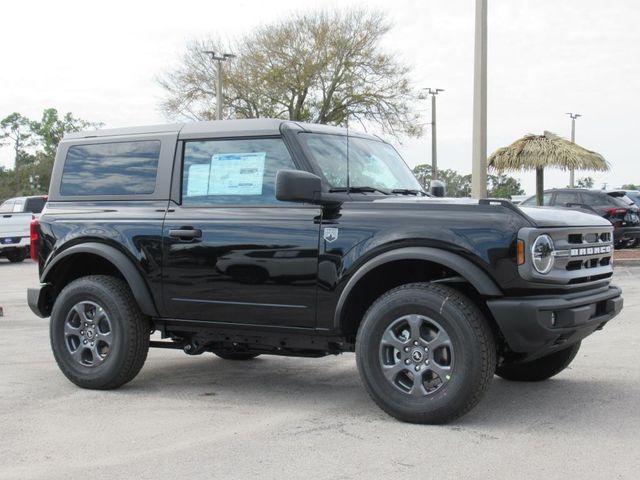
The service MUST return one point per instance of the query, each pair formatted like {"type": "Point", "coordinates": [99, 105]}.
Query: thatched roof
{"type": "Point", "coordinates": [549, 150]}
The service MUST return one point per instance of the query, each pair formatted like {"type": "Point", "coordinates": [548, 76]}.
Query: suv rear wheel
{"type": "Point", "coordinates": [425, 353]}
{"type": "Point", "coordinates": [99, 337]}
{"type": "Point", "coordinates": [540, 369]}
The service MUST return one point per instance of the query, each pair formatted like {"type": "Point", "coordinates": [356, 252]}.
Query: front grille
{"type": "Point", "coordinates": [582, 255]}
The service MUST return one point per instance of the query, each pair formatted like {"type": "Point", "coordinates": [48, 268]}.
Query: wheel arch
{"type": "Point", "coordinates": [424, 263]}
{"type": "Point", "coordinates": [103, 259]}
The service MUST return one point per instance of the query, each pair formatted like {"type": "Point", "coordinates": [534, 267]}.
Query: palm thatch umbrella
{"type": "Point", "coordinates": [537, 152]}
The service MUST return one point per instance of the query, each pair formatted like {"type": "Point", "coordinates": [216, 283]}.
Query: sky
{"type": "Point", "coordinates": [101, 61]}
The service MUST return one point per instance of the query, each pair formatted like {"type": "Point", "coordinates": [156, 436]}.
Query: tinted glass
{"type": "Point", "coordinates": [35, 204]}
{"type": "Point", "coordinates": [371, 163]}
{"type": "Point", "coordinates": [7, 206]}
{"type": "Point", "coordinates": [602, 200]}
{"type": "Point", "coordinates": [233, 172]}
{"type": "Point", "coordinates": [562, 198]}
{"type": "Point", "coordinates": [531, 202]}
{"type": "Point", "coordinates": [125, 168]}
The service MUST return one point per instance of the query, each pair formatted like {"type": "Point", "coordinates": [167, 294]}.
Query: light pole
{"type": "Point", "coordinates": [434, 150]}
{"type": "Point", "coordinates": [479, 157]}
{"type": "Point", "coordinates": [219, 58]}
{"type": "Point", "coordinates": [573, 140]}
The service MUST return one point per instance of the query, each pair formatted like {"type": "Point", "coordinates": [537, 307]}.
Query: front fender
{"type": "Point", "coordinates": [482, 282]}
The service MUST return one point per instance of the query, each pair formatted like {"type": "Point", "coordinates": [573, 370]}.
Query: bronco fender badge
{"type": "Point", "coordinates": [330, 234]}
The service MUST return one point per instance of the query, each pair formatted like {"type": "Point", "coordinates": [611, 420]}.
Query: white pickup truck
{"type": "Point", "coordinates": [15, 220]}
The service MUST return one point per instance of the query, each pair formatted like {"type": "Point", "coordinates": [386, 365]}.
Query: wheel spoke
{"type": "Point", "coordinates": [70, 330]}
{"type": "Point", "coordinates": [97, 358]}
{"type": "Point", "coordinates": [77, 354]}
{"type": "Point", "coordinates": [441, 340]}
{"type": "Point", "coordinates": [392, 371]}
{"type": "Point", "coordinates": [442, 371]}
{"type": "Point", "coordinates": [415, 322]}
{"type": "Point", "coordinates": [417, 390]}
{"type": "Point", "coordinates": [389, 338]}
{"type": "Point", "coordinates": [80, 309]}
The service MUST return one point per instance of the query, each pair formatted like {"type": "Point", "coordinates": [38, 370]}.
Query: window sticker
{"type": "Point", "coordinates": [198, 180]}
{"type": "Point", "coordinates": [237, 173]}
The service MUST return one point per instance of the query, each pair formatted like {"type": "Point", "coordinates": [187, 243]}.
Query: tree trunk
{"type": "Point", "coordinates": [539, 185]}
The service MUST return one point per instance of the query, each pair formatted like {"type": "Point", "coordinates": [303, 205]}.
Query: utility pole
{"type": "Point", "coordinates": [573, 140]}
{"type": "Point", "coordinates": [219, 58]}
{"type": "Point", "coordinates": [434, 150]}
{"type": "Point", "coordinates": [479, 167]}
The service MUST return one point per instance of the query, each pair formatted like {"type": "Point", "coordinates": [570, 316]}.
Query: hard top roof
{"type": "Point", "coordinates": [218, 128]}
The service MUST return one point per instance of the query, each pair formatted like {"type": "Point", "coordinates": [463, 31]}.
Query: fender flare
{"type": "Point", "coordinates": [470, 272]}
{"type": "Point", "coordinates": [126, 267]}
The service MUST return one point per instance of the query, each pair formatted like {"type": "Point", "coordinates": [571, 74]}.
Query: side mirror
{"type": "Point", "coordinates": [437, 188]}
{"type": "Point", "coordinates": [297, 186]}
{"type": "Point", "coordinates": [303, 187]}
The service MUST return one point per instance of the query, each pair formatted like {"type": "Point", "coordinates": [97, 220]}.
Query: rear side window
{"type": "Point", "coordinates": [124, 168]}
{"type": "Point", "coordinates": [563, 198]}
{"type": "Point", "coordinates": [18, 207]}
{"type": "Point", "coordinates": [531, 202]}
{"type": "Point", "coordinates": [35, 204]}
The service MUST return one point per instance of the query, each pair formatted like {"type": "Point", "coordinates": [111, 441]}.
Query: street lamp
{"type": "Point", "coordinates": [219, 58]}
{"type": "Point", "coordinates": [434, 152]}
{"type": "Point", "coordinates": [479, 167]}
{"type": "Point", "coordinates": [573, 140]}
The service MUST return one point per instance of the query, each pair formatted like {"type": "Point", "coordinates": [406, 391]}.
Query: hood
{"type": "Point", "coordinates": [563, 217]}
{"type": "Point", "coordinates": [546, 217]}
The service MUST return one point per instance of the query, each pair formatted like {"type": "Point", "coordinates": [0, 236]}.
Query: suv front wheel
{"type": "Point", "coordinates": [99, 337]}
{"type": "Point", "coordinates": [425, 353]}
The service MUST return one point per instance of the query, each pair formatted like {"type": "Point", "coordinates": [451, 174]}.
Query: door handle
{"type": "Point", "coordinates": [186, 233]}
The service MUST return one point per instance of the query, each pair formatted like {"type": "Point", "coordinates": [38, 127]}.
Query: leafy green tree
{"type": "Point", "coordinates": [15, 129]}
{"type": "Point", "coordinates": [35, 144]}
{"type": "Point", "coordinates": [630, 186]}
{"type": "Point", "coordinates": [503, 186]}
{"type": "Point", "coordinates": [422, 173]}
{"type": "Point", "coordinates": [586, 182]}
{"type": "Point", "coordinates": [322, 67]}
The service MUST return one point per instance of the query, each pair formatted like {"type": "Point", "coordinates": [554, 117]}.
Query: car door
{"type": "Point", "coordinates": [233, 253]}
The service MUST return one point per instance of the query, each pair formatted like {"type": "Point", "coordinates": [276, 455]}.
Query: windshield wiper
{"type": "Point", "coordinates": [407, 191]}
{"type": "Point", "coordinates": [359, 190]}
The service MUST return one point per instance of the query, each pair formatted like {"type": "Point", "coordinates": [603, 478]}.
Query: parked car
{"type": "Point", "coordinates": [614, 206]}
{"type": "Point", "coordinates": [633, 195]}
{"type": "Point", "coordinates": [251, 237]}
{"type": "Point", "coordinates": [15, 217]}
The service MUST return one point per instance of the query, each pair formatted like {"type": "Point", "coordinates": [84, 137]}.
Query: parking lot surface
{"type": "Point", "coordinates": [277, 417]}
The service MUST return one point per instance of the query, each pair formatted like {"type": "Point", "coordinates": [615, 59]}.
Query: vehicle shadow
{"type": "Point", "coordinates": [332, 384]}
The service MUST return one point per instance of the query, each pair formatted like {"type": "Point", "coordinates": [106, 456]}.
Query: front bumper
{"type": "Point", "coordinates": [540, 325]}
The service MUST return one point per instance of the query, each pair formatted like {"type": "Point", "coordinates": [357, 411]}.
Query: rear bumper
{"type": "Point", "coordinates": [538, 325]}
{"type": "Point", "coordinates": [626, 233]}
{"type": "Point", "coordinates": [23, 242]}
{"type": "Point", "coordinates": [39, 300]}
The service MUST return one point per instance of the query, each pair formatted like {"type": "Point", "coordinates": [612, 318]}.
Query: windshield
{"type": "Point", "coordinates": [371, 163]}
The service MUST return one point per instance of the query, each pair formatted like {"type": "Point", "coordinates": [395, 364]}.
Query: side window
{"type": "Point", "coordinates": [597, 200]}
{"type": "Point", "coordinates": [18, 207]}
{"type": "Point", "coordinates": [123, 168]}
{"type": "Point", "coordinates": [233, 172]}
{"type": "Point", "coordinates": [35, 204]}
{"type": "Point", "coordinates": [531, 202]}
{"type": "Point", "coordinates": [7, 206]}
{"type": "Point", "coordinates": [562, 198]}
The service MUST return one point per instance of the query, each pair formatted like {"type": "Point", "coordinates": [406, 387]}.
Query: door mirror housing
{"type": "Point", "coordinates": [437, 188]}
{"type": "Point", "coordinates": [302, 187]}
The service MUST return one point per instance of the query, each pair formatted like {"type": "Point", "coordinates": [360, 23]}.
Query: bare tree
{"type": "Point", "coordinates": [323, 67]}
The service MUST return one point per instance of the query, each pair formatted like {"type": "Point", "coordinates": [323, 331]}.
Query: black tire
{"type": "Point", "coordinates": [16, 256]}
{"type": "Point", "coordinates": [128, 333]}
{"type": "Point", "coordinates": [472, 358]}
{"type": "Point", "coordinates": [540, 369]}
{"type": "Point", "coordinates": [237, 355]}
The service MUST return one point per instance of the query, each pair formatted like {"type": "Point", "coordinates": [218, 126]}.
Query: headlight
{"type": "Point", "coordinates": [542, 254]}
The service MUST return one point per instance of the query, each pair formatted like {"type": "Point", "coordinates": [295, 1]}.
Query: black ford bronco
{"type": "Point", "coordinates": [250, 237]}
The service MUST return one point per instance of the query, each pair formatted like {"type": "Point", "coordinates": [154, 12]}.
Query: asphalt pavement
{"type": "Point", "coordinates": [281, 418]}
